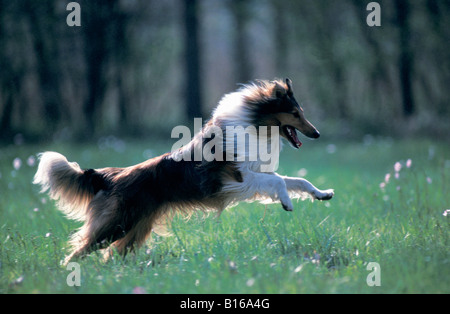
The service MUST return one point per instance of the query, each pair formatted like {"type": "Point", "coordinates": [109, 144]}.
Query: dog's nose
{"type": "Point", "coordinates": [316, 134]}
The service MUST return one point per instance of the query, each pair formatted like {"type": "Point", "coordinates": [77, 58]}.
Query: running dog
{"type": "Point", "coordinates": [121, 206]}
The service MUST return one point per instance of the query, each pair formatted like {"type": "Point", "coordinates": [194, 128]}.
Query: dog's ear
{"type": "Point", "coordinates": [279, 90]}
{"type": "Point", "coordinates": [289, 85]}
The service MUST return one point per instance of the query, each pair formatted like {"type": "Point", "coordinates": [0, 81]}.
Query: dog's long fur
{"type": "Point", "coordinates": [121, 206]}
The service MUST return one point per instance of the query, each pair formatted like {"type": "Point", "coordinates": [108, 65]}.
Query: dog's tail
{"type": "Point", "coordinates": [67, 183]}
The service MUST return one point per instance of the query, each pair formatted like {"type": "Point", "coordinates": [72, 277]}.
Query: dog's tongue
{"type": "Point", "coordinates": [293, 134]}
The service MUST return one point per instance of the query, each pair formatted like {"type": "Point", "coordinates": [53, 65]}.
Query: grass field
{"type": "Point", "coordinates": [322, 247]}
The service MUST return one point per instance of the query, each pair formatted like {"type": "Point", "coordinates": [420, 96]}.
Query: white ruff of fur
{"type": "Point", "coordinates": [233, 111]}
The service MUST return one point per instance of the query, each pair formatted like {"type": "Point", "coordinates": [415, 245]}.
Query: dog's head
{"type": "Point", "coordinates": [291, 115]}
{"type": "Point", "coordinates": [280, 108]}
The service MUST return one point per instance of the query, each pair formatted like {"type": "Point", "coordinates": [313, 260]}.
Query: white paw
{"type": "Point", "coordinates": [324, 195]}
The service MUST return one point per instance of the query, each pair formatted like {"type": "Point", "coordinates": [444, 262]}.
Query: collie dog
{"type": "Point", "coordinates": [121, 206]}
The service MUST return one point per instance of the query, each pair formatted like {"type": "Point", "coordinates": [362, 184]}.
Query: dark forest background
{"type": "Point", "coordinates": [137, 68]}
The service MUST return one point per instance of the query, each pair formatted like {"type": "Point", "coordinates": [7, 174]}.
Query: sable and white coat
{"type": "Point", "coordinates": [121, 206]}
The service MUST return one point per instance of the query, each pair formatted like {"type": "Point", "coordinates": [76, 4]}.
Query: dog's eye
{"type": "Point", "coordinates": [296, 114]}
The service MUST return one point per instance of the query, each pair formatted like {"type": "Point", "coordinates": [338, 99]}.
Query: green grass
{"type": "Point", "coordinates": [321, 247]}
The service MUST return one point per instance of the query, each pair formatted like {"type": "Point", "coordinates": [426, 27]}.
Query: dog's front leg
{"type": "Point", "coordinates": [270, 185]}
{"type": "Point", "coordinates": [303, 185]}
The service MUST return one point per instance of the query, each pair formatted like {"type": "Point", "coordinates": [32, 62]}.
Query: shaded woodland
{"type": "Point", "coordinates": [139, 67]}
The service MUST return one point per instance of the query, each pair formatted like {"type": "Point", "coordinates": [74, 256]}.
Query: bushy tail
{"type": "Point", "coordinates": [66, 182]}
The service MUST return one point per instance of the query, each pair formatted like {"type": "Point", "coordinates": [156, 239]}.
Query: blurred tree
{"type": "Point", "coordinates": [437, 34]}
{"type": "Point", "coordinates": [193, 84]}
{"type": "Point", "coordinates": [405, 59]}
{"type": "Point", "coordinates": [240, 10]}
{"type": "Point", "coordinates": [7, 90]}
{"type": "Point", "coordinates": [45, 45]}
{"type": "Point", "coordinates": [117, 72]}
{"type": "Point", "coordinates": [281, 15]}
{"type": "Point", "coordinates": [377, 62]}
{"type": "Point", "coordinates": [325, 27]}
{"type": "Point", "coordinates": [95, 32]}
{"type": "Point", "coordinates": [120, 20]}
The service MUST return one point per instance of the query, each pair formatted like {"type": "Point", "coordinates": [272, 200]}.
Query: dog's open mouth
{"type": "Point", "coordinates": [291, 134]}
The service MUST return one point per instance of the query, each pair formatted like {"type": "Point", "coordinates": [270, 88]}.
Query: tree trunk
{"type": "Point", "coordinates": [280, 37]}
{"type": "Point", "coordinates": [242, 63]}
{"type": "Point", "coordinates": [6, 117]}
{"type": "Point", "coordinates": [405, 62]}
{"type": "Point", "coordinates": [192, 60]}
{"type": "Point", "coordinates": [96, 55]}
{"type": "Point", "coordinates": [47, 63]}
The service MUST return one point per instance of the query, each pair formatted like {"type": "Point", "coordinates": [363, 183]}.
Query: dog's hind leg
{"type": "Point", "coordinates": [102, 227]}
{"type": "Point", "coordinates": [133, 239]}
{"type": "Point", "coordinates": [89, 238]}
{"type": "Point", "coordinates": [300, 185]}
